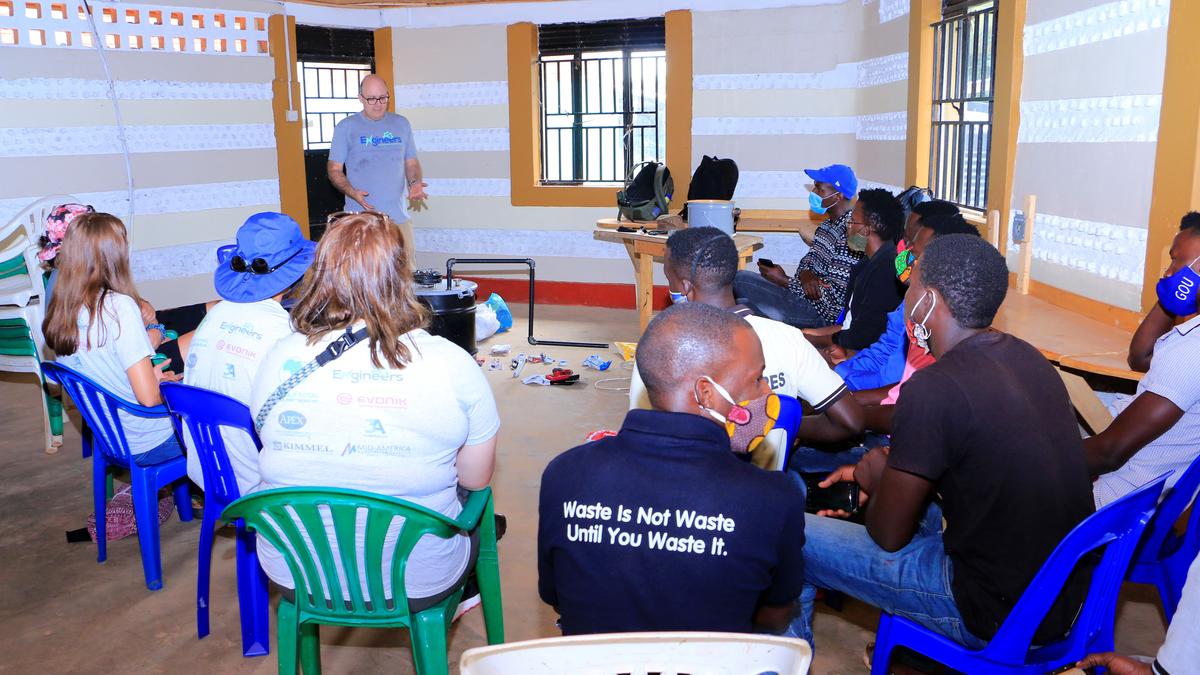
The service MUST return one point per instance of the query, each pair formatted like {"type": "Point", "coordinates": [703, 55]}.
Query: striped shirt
{"type": "Point", "coordinates": [830, 259]}
{"type": "Point", "coordinates": [1174, 374]}
{"type": "Point", "coordinates": [1180, 652]}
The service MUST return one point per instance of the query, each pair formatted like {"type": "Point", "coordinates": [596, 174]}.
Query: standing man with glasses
{"type": "Point", "coordinates": [373, 158]}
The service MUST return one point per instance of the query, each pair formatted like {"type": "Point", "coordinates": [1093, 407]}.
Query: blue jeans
{"type": "Point", "coordinates": [913, 582]}
{"type": "Point", "coordinates": [168, 449]}
{"type": "Point", "coordinates": [776, 302]}
{"type": "Point", "coordinates": [808, 460]}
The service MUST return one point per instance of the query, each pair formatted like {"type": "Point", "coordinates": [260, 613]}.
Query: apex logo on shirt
{"type": "Point", "coordinates": [292, 420]}
{"type": "Point", "coordinates": [374, 428]}
{"type": "Point", "coordinates": [191, 360]}
{"type": "Point", "coordinates": [230, 372]}
{"type": "Point", "coordinates": [388, 138]}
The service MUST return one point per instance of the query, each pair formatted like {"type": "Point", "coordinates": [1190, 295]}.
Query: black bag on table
{"type": "Point", "coordinates": [715, 178]}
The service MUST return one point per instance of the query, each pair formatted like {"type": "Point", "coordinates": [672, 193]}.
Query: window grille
{"type": "Point", "coordinates": [603, 99]}
{"type": "Point", "coordinates": [964, 78]}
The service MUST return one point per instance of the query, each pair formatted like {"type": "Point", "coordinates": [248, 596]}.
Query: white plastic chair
{"type": "Point", "coordinates": [22, 295]}
{"type": "Point", "coordinates": [642, 653]}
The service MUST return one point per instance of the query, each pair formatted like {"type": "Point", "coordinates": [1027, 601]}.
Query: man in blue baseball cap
{"type": "Point", "coordinates": [270, 257]}
{"type": "Point", "coordinates": [815, 295]}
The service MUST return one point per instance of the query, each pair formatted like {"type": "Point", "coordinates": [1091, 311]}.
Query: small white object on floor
{"type": "Point", "coordinates": [536, 379]}
{"type": "Point", "coordinates": [501, 350]}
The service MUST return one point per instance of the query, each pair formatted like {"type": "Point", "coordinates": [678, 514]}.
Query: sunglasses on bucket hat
{"type": "Point", "coordinates": [258, 265]}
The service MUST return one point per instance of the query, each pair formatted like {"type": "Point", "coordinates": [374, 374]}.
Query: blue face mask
{"type": "Point", "coordinates": [1178, 293]}
{"type": "Point", "coordinates": [816, 203]}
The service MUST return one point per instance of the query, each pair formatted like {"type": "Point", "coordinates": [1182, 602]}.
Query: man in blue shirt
{"type": "Point", "coordinates": [373, 157]}
{"type": "Point", "coordinates": [662, 527]}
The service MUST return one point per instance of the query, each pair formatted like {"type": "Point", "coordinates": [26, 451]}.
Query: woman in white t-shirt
{"type": "Point", "coordinates": [95, 326]}
{"type": "Point", "coordinates": [401, 413]}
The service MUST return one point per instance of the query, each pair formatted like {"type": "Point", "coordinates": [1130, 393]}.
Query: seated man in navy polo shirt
{"type": "Point", "coordinates": [662, 527]}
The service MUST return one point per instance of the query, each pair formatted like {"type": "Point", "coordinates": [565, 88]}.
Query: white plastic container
{"type": "Point", "coordinates": [642, 653]}
{"type": "Point", "coordinates": [716, 213]}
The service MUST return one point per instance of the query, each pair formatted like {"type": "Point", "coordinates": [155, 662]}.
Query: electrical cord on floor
{"type": "Point", "coordinates": [626, 365]}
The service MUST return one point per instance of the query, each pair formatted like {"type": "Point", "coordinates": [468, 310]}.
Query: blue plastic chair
{"type": "Point", "coordinates": [790, 415]}
{"type": "Point", "coordinates": [99, 408]}
{"type": "Point", "coordinates": [205, 412]}
{"type": "Point", "coordinates": [1164, 556]}
{"type": "Point", "coordinates": [1117, 527]}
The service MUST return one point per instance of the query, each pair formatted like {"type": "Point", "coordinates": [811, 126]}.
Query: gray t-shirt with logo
{"type": "Point", "coordinates": [374, 153]}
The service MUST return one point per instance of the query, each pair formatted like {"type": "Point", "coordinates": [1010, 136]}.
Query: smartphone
{"type": "Point", "coordinates": [839, 496]}
{"type": "Point", "coordinates": [766, 262]}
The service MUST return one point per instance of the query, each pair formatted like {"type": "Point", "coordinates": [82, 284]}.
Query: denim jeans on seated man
{"type": "Point", "coordinates": [913, 582]}
{"type": "Point", "coordinates": [809, 460]}
{"type": "Point", "coordinates": [776, 302]}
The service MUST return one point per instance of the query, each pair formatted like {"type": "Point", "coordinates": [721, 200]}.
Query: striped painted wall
{"type": "Point", "coordinates": [835, 92]}
{"type": "Point", "coordinates": [783, 89]}
{"type": "Point", "coordinates": [1087, 142]}
{"type": "Point", "coordinates": [457, 101]}
{"type": "Point", "coordinates": [194, 90]}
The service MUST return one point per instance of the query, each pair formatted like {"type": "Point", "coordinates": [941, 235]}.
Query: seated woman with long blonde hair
{"type": "Point", "coordinates": [95, 326]}
{"type": "Point", "coordinates": [400, 413]}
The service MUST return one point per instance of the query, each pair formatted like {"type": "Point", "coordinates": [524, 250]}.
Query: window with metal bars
{"type": "Point", "coordinates": [603, 99]}
{"type": "Point", "coordinates": [964, 61]}
{"type": "Point", "coordinates": [329, 94]}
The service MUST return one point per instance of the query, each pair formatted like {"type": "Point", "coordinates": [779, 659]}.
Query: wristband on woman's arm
{"type": "Point", "coordinates": [158, 327]}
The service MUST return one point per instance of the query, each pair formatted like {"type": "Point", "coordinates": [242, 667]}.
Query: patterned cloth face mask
{"type": "Point", "coordinates": [904, 264]}
{"type": "Point", "coordinates": [748, 422]}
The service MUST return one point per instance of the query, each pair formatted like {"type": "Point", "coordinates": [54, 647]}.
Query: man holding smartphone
{"type": "Point", "coordinates": [813, 298]}
{"type": "Point", "coordinates": [989, 429]}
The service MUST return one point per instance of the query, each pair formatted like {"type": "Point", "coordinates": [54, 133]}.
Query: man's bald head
{"type": "Point", "coordinates": [374, 95]}
{"type": "Point", "coordinates": [682, 344]}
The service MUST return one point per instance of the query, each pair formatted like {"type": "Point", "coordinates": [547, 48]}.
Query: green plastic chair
{"type": "Point", "coordinates": [19, 352]}
{"type": "Point", "coordinates": [270, 514]}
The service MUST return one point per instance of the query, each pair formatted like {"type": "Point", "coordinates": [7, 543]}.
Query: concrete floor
{"type": "Point", "coordinates": [60, 612]}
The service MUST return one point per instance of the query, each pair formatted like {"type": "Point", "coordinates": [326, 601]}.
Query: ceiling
{"type": "Point", "coordinates": [407, 3]}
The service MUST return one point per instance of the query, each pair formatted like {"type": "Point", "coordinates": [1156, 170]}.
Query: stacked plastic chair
{"type": "Point", "coordinates": [203, 413]}
{"type": "Point", "coordinates": [101, 409]}
{"type": "Point", "coordinates": [22, 305]}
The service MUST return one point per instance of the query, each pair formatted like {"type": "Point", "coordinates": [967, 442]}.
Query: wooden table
{"type": "Point", "coordinates": [1073, 342]}
{"type": "Point", "coordinates": [645, 249]}
{"type": "Point", "coordinates": [1067, 338]}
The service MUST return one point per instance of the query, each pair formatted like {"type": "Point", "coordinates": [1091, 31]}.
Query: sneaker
{"type": "Point", "coordinates": [470, 599]}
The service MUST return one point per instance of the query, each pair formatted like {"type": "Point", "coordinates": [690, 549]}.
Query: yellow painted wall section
{"type": "Point", "coordinates": [1177, 164]}
{"type": "Point", "coordinates": [1006, 108]}
{"type": "Point", "coordinates": [920, 89]}
{"type": "Point", "coordinates": [679, 101]}
{"type": "Point", "coordinates": [385, 66]}
{"type": "Point", "coordinates": [289, 142]}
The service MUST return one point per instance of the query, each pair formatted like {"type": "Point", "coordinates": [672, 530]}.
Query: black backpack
{"type": "Point", "coordinates": [647, 192]}
{"type": "Point", "coordinates": [715, 178]}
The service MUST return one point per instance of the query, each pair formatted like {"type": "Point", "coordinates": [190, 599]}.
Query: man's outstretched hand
{"type": "Point", "coordinates": [1116, 664]}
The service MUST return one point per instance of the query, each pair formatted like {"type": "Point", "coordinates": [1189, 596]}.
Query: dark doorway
{"type": "Point", "coordinates": [332, 61]}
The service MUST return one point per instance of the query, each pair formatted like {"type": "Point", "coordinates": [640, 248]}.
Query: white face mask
{"type": "Point", "coordinates": [921, 332]}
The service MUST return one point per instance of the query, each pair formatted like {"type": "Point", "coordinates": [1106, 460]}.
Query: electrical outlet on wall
{"type": "Point", "coordinates": [292, 116]}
